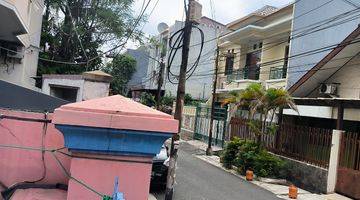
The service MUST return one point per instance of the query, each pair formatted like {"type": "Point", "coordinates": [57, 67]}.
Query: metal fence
{"type": "Point", "coordinates": [350, 151]}
{"type": "Point", "coordinates": [307, 144]}
{"type": "Point", "coordinates": [202, 124]}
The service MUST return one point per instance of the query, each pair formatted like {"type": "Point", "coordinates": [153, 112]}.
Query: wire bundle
{"type": "Point", "coordinates": [176, 43]}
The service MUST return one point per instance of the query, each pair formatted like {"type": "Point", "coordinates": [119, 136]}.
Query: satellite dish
{"type": "Point", "coordinates": [162, 27]}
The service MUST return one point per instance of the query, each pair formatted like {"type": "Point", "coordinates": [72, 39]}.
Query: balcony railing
{"type": "Point", "coordinates": [251, 73]}
{"type": "Point", "coordinates": [278, 72]}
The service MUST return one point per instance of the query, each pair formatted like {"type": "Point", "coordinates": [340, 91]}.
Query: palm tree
{"type": "Point", "coordinates": [264, 102]}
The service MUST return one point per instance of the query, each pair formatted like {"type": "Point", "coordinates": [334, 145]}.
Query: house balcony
{"type": "Point", "coordinates": [14, 15]}
{"type": "Point", "coordinates": [239, 79]}
{"type": "Point", "coordinates": [277, 77]}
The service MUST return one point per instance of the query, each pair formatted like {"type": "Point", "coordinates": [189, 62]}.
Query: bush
{"type": "Point", "coordinates": [229, 154]}
{"type": "Point", "coordinates": [248, 155]}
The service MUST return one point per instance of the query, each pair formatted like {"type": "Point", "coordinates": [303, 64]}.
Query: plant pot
{"type": "Point", "coordinates": [293, 192]}
{"type": "Point", "coordinates": [249, 175]}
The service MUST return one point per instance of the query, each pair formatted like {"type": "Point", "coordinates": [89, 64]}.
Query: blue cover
{"type": "Point", "coordinates": [112, 141]}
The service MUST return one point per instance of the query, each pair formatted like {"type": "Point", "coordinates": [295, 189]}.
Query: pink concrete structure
{"type": "Point", "coordinates": [109, 137]}
{"type": "Point", "coordinates": [115, 112]}
{"type": "Point", "coordinates": [22, 165]}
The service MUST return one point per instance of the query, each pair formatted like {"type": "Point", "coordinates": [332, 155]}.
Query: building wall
{"type": "Point", "coordinates": [269, 54]}
{"type": "Point", "coordinates": [93, 90]}
{"type": "Point", "coordinates": [21, 73]}
{"type": "Point", "coordinates": [142, 62]}
{"type": "Point", "coordinates": [329, 36]}
{"type": "Point", "coordinates": [348, 79]}
{"type": "Point", "coordinates": [200, 84]}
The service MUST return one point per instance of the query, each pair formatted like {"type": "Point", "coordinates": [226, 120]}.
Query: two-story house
{"type": "Point", "coordinates": [20, 30]}
{"type": "Point", "coordinates": [255, 50]}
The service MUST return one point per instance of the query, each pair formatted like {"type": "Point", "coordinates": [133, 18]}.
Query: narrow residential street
{"type": "Point", "coordinates": [198, 180]}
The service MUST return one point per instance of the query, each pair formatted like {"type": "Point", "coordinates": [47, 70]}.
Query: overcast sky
{"type": "Point", "coordinates": [225, 10]}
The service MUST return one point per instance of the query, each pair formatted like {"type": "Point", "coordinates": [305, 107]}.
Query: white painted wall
{"type": "Point", "coordinates": [93, 90]}
{"type": "Point", "coordinates": [22, 73]}
{"type": "Point", "coordinates": [348, 78]}
{"type": "Point", "coordinates": [330, 36]}
{"type": "Point", "coordinates": [334, 160]}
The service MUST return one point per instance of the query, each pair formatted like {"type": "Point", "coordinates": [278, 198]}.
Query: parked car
{"type": "Point", "coordinates": [160, 168]}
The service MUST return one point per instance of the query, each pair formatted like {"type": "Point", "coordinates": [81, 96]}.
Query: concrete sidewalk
{"type": "Point", "coordinates": [280, 191]}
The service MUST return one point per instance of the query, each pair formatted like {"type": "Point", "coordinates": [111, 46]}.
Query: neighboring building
{"type": "Point", "coordinates": [316, 25]}
{"type": "Point", "coordinates": [74, 88]}
{"type": "Point", "coordinates": [20, 31]}
{"type": "Point", "coordinates": [199, 85]}
{"type": "Point", "coordinates": [247, 51]}
{"type": "Point", "coordinates": [324, 63]}
{"type": "Point", "coordinates": [138, 82]}
{"type": "Point", "coordinates": [324, 79]}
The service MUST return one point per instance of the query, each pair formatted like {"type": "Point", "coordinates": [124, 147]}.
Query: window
{"type": "Point", "coordinates": [63, 92]}
{"type": "Point", "coordinates": [252, 68]}
{"type": "Point", "coordinates": [229, 64]}
{"type": "Point", "coordinates": [286, 57]}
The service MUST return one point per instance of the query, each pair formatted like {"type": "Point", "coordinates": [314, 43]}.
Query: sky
{"type": "Point", "coordinates": [225, 10]}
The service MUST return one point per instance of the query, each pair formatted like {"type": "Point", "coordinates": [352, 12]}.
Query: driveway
{"type": "Point", "coordinates": [198, 180]}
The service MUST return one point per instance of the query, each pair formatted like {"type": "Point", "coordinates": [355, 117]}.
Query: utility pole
{"type": "Point", "coordinates": [203, 94]}
{"type": "Point", "coordinates": [160, 82]}
{"type": "Point", "coordinates": [179, 104]}
{"type": "Point", "coordinates": [209, 149]}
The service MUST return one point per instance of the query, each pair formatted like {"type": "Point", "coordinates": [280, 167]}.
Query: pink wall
{"type": "Point", "coordinates": [134, 178]}
{"type": "Point", "coordinates": [23, 165]}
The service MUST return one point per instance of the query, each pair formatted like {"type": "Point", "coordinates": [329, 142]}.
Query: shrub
{"type": "Point", "coordinates": [249, 155]}
{"type": "Point", "coordinates": [268, 165]}
{"type": "Point", "coordinates": [229, 154]}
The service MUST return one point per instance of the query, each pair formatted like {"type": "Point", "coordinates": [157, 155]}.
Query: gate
{"type": "Point", "coordinates": [202, 125]}
{"type": "Point", "coordinates": [348, 179]}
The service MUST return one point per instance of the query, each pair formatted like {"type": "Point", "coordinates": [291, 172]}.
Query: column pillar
{"type": "Point", "coordinates": [334, 160]}
{"type": "Point", "coordinates": [112, 137]}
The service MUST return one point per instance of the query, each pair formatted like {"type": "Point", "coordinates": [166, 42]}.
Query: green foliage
{"type": "Point", "coordinates": [121, 68]}
{"type": "Point", "coordinates": [249, 155]}
{"type": "Point", "coordinates": [167, 100]}
{"type": "Point", "coordinates": [229, 154]}
{"type": "Point", "coordinates": [74, 31]}
{"type": "Point", "coordinates": [261, 103]}
{"type": "Point", "coordinates": [190, 101]}
{"type": "Point", "coordinates": [147, 99]}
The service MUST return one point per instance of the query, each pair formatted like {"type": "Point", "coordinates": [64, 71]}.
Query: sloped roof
{"type": "Point", "coordinates": [19, 98]}
{"type": "Point", "coordinates": [329, 65]}
{"type": "Point", "coordinates": [262, 12]}
{"type": "Point", "coordinates": [98, 73]}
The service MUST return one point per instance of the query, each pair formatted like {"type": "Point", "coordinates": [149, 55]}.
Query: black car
{"type": "Point", "coordinates": [159, 169]}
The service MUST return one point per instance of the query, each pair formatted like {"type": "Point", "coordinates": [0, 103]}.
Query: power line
{"type": "Point", "coordinates": [309, 53]}
{"type": "Point", "coordinates": [295, 30]}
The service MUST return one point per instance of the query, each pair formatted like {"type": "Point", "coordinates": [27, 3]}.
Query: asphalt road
{"type": "Point", "coordinates": [198, 180]}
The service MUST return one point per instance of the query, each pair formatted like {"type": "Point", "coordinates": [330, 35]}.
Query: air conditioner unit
{"type": "Point", "coordinates": [15, 52]}
{"type": "Point", "coordinates": [328, 88]}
